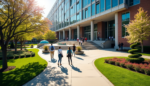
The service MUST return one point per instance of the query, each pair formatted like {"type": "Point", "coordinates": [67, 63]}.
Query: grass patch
{"type": "Point", "coordinates": [26, 69]}
{"type": "Point", "coordinates": [121, 76]}
{"type": "Point", "coordinates": [146, 54]}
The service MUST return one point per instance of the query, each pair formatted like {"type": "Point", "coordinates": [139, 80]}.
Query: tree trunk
{"type": "Point", "coordinates": [4, 58]}
{"type": "Point", "coordinates": [142, 50]}
{"type": "Point", "coordinates": [15, 46]}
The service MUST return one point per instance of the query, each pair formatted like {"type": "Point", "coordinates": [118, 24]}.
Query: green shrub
{"type": "Point", "coordinates": [135, 56]}
{"type": "Point", "coordinates": [79, 48]}
{"type": "Point", "coordinates": [106, 60]}
{"type": "Point", "coordinates": [12, 45]}
{"type": "Point", "coordinates": [117, 63]}
{"type": "Point", "coordinates": [122, 64]}
{"type": "Point", "coordinates": [147, 71]}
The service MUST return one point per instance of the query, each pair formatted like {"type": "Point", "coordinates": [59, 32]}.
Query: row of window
{"type": "Point", "coordinates": [87, 12]}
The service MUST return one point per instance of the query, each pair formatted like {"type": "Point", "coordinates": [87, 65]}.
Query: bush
{"type": "Point", "coordinates": [45, 48]}
{"type": "Point", "coordinates": [79, 48]}
{"type": "Point", "coordinates": [147, 70]}
{"type": "Point", "coordinates": [122, 64]}
{"type": "Point", "coordinates": [106, 60]}
{"type": "Point", "coordinates": [117, 63]}
{"type": "Point", "coordinates": [135, 56]}
{"type": "Point", "coordinates": [129, 65]}
{"type": "Point", "coordinates": [136, 67]}
{"type": "Point", "coordinates": [12, 45]}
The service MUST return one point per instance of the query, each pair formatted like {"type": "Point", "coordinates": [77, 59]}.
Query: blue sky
{"type": "Point", "coordinates": [47, 4]}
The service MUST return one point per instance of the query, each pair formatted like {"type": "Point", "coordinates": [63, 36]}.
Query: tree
{"type": "Point", "coordinates": [50, 35]}
{"type": "Point", "coordinates": [39, 36]}
{"type": "Point", "coordinates": [139, 28]}
{"type": "Point", "coordinates": [18, 17]}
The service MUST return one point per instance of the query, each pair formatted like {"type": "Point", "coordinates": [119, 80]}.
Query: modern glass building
{"type": "Point", "coordinates": [93, 18]}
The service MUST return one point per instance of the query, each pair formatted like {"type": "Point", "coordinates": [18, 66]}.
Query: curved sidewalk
{"type": "Point", "coordinates": [82, 73]}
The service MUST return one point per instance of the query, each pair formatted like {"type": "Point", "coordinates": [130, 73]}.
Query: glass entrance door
{"type": "Point", "coordinates": [88, 35]}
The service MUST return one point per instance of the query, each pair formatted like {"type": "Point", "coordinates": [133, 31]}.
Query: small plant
{"type": "Point", "coordinates": [136, 67]}
{"type": "Point", "coordinates": [122, 64]}
{"type": "Point", "coordinates": [147, 70]}
{"type": "Point", "coordinates": [117, 63]}
{"type": "Point", "coordinates": [45, 48]}
{"type": "Point", "coordinates": [129, 65]}
{"type": "Point", "coordinates": [31, 45]}
{"type": "Point", "coordinates": [106, 60]}
{"type": "Point", "coordinates": [79, 48]}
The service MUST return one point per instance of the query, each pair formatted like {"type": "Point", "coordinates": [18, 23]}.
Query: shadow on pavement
{"type": "Point", "coordinates": [53, 61]}
{"type": "Point", "coordinates": [64, 70]}
{"type": "Point", "coordinates": [76, 69]}
{"type": "Point", "coordinates": [79, 58]}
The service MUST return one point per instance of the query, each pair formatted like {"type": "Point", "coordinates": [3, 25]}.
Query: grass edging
{"type": "Point", "coordinates": [26, 69]}
{"type": "Point", "coordinates": [120, 76]}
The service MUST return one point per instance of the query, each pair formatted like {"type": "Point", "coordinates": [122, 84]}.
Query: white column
{"type": "Point", "coordinates": [63, 34]}
{"type": "Point", "coordinates": [116, 31]}
{"type": "Point", "coordinates": [59, 35]}
{"type": "Point", "coordinates": [69, 33]}
{"type": "Point", "coordinates": [92, 30]}
{"type": "Point", "coordinates": [78, 31]}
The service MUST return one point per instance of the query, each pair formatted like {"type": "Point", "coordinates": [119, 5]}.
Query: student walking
{"type": "Point", "coordinates": [74, 49]}
{"type": "Point", "coordinates": [79, 41]}
{"type": "Point", "coordinates": [60, 55]}
{"type": "Point", "coordinates": [69, 55]}
{"type": "Point", "coordinates": [121, 46]}
{"type": "Point", "coordinates": [52, 49]}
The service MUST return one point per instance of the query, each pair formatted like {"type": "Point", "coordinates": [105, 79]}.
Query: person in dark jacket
{"type": "Point", "coordinates": [74, 49]}
{"type": "Point", "coordinates": [121, 46]}
{"type": "Point", "coordinates": [69, 55]}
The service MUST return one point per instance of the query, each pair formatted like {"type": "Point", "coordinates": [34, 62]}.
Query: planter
{"type": "Point", "coordinates": [45, 51]}
{"type": "Point", "coordinates": [79, 52]}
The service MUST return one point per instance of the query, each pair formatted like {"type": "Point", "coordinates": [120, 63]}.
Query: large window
{"type": "Point", "coordinates": [102, 6]}
{"type": "Point", "coordinates": [108, 4]}
{"type": "Point", "coordinates": [97, 8]}
{"type": "Point", "coordinates": [133, 2]}
{"type": "Point", "coordinates": [121, 1]}
{"type": "Point", "coordinates": [73, 10]}
{"type": "Point", "coordinates": [79, 6]}
{"type": "Point", "coordinates": [125, 21]}
{"type": "Point", "coordinates": [89, 11]}
{"type": "Point", "coordinates": [93, 9]}
{"type": "Point", "coordinates": [73, 19]}
{"type": "Point", "coordinates": [86, 2]}
{"type": "Point", "coordinates": [79, 16]}
{"type": "Point", "coordinates": [114, 3]}
{"type": "Point", "coordinates": [72, 2]}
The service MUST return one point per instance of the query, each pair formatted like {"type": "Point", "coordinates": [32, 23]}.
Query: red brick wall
{"type": "Point", "coordinates": [81, 32]}
{"type": "Point", "coordinates": [66, 34]}
{"type": "Point", "coordinates": [57, 35]}
{"type": "Point", "coordinates": [99, 29]}
{"type": "Point", "coordinates": [133, 10]}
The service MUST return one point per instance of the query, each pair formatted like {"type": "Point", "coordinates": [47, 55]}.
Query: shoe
{"type": "Point", "coordinates": [60, 64]}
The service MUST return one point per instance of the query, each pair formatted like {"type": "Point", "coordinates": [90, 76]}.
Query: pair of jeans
{"type": "Point", "coordinates": [59, 58]}
{"type": "Point", "coordinates": [74, 53]}
{"type": "Point", "coordinates": [69, 59]}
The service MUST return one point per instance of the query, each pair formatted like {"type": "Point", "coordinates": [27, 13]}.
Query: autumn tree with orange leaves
{"type": "Point", "coordinates": [19, 17]}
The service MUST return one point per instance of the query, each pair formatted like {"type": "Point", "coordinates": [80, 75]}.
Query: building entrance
{"type": "Point", "coordinates": [88, 35]}
{"type": "Point", "coordinates": [95, 35]}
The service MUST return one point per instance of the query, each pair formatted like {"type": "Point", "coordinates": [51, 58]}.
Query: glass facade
{"type": "Point", "coordinates": [66, 12]}
{"type": "Point", "coordinates": [125, 21]}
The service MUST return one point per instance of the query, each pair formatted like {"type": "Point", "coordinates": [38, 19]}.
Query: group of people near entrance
{"type": "Point", "coordinates": [70, 53]}
{"type": "Point", "coordinates": [81, 40]}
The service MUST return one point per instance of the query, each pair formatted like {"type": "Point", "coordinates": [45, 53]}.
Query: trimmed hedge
{"type": "Point", "coordinates": [20, 54]}
{"type": "Point", "coordinates": [135, 56]}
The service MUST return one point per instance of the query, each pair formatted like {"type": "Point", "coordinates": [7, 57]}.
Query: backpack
{"type": "Point", "coordinates": [69, 53]}
{"type": "Point", "coordinates": [52, 48]}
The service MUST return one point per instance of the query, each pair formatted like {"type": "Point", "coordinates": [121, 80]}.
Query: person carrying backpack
{"type": "Point", "coordinates": [69, 55]}
{"type": "Point", "coordinates": [52, 49]}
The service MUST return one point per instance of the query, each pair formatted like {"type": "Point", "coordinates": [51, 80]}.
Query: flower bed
{"type": "Point", "coordinates": [143, 67]}
{"type": "Point", "coordinates": [61, 43]}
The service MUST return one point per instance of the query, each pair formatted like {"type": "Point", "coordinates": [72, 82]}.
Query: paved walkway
{"type": "Point", "coordinates": [82, 73]}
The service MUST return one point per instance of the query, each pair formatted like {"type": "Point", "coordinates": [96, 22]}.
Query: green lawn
{"type": "Point", "coordinates": [121, 76]}
{"type": "Point", "coordinates": [146, 54]}
{"type": "Point", "coordinates": [26, 69]}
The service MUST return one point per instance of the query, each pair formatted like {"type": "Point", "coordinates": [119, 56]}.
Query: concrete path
{"type": "Point", "coordinates": [82, 73]}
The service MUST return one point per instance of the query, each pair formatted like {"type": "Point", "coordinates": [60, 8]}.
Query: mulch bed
{"type": "Point", "coordinates": [8, 69]}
